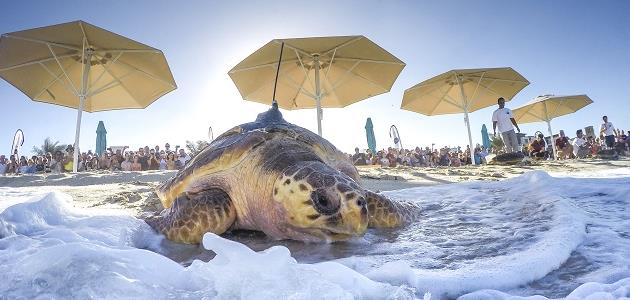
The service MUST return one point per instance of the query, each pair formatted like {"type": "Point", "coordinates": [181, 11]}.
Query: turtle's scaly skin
{"type": "Point", "coordinates": [274, 177]}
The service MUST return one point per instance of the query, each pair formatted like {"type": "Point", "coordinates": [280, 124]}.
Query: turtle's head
{"type": "Point", "coordinates": [320, 203]}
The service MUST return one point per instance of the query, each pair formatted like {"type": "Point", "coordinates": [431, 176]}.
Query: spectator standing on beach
{"type": "Point", "coordinates": [358, 159]}
{"type": "Point", "coordinates": [183, 158]}
{"type": "Point", "coordinates": [31, 169]}
{"type": "Point", "coordinates": [94, 162]}
{"type": "Point", "coordinates": [39, 165]}
{"type": "Point", "coordinates": [126, 164]}
{"type": "Point", "coordinates": [163, 165]}
{"type": "Point", "coordinates": [47, 161]}
{"type": "Point", "coordinates": [23, 168]}
{"type": "Point", "coordinates": [56, 163]}
{"type": "Point", "coordinates": [136, 165]}
{"type": "Point", "coordinates": [3, 165]}
{"type": "Point", "coordinates": [68, 162]}
{"type": "Point", "coordinates": [143, 159]}
{"type": "Point", "coordinates": [119, 156]}
{"type": "Point", "coordinates": [391, 157]}
{"type": "Point", "coordinates": [170, 161]}
{"type": "Point", "coordinates": [103, 163]}
{"type": "Point", "coordinates": [608, 131]}
{"type": "Point", "coordinates": [12, 165]}
{"type": "Point", "coordinates": [114, 164]}
{"type": "Point", "coordinates": [154, 163]}
{"type": "Point", "coordinates": [503, 118]}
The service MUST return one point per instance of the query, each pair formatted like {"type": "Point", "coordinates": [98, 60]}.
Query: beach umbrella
{"type": "Point", "coordinates": [548, 107]}
{"type": "Point", "coordinates": [82, 66]}
{"type": "Point", "coordinates": [485, 138]}
{"type": "Point", "coordinates": [369, 132]}
{"type": "Point", "coordinates": [317, 72]}
{"type": "Point", "coordinates": [463, 91]}
{"type": "Point", "coordinates": [101, 138]}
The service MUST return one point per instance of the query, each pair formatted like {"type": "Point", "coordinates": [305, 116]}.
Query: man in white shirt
{"type": "Point", "coordinates": [183, 157]}
{"type": "Point", "coordinates": [503, 118]}
{"type": "Point", "coordinates": [608, 130]}
{"type": "Point", "coordinates": [580, 149]}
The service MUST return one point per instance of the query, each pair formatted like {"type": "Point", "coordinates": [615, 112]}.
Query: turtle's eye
{"type": "Point", "coordinates": [322, 203]}
{"type": "Point", "coordinates": [361, 202]}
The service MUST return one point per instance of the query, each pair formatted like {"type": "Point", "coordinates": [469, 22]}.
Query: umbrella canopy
{"type": "Point", "coordinates": [317, 72]}
{"type": "Point", "coordinates": [463, 91]}
{"type": "Point", "coordinates": [485, 137]}
{"type": "Point", "coordinates": [101, 138]}
{"type": "Point", "coordinates": [369, 133]}
{"type": "Point", "coordinates": [548, 107]}
{"type": "Point", "coordinates": [82, 66]}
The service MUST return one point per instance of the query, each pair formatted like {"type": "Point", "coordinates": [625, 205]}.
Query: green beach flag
{"type": "Point", "coordinates": [101, 138]}
{"type": "Point", "coordinates": [485, 137]}
{"type": "Point", "coordinates": [369, 132]}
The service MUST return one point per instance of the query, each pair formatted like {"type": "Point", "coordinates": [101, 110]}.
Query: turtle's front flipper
{"type": "Point", "coordinates": [192, 215]}
{"type": "Point", "coordinates": [386, 213]}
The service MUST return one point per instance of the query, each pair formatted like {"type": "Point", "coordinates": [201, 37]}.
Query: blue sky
{"type": "Point", "coordinates": [561, 47]}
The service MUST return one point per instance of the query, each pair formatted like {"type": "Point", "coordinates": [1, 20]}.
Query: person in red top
{"type": "Point", "coordinates": [563, 146]}
{"type": "Point", "coordinates": [392, 157]}
{"type": "Point", "coordinates": [537, 147]}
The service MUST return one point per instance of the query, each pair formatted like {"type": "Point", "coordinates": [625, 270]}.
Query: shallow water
{"type": "Point", "coordinates": [531, 235]}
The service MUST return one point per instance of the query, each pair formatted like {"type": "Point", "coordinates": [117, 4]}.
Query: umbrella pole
{"type": "Point", "coordinates": [467, 121]}
{"type": "Point", "coordinates": [553, 144]}
{"type": "Point", "coordinates": [76, 136]}
{"type": "Point", "coordinates": [472, 150]}
{"type": "Point", "coordinates": [87, 55]}
{"type": "Point", "coordinates": [318, 96]}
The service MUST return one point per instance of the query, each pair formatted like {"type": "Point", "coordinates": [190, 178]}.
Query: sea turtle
{"type": "Point", "coordinates": [513, 158]}
{"type": "Point", "coordinates": [608, 154]}
{"type": "Point", "coordinates": [274, 177]}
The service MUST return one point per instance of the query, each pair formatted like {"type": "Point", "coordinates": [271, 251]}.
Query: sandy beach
{"type": "Point", "coordinates": [133, 192]}
{"type": "Point", "coordinates": [480, 228]}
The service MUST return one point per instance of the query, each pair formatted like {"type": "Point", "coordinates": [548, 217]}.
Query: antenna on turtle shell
{"type": "Point", "coordinates": [274, 103]}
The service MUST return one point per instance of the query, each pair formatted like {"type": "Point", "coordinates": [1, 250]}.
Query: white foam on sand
{"type": "Point", "coordinates": [50, 249]}
{"type": "Point", "coordinates": [552, 248]}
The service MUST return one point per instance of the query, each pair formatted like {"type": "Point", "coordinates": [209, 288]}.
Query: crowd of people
{"type": "Point", "coordinates": [581, 146]}
{"type": "Point", "coordinates": [420, 157]}
{"type": "Point", "coordinates": [143, 159]}
{"type": "Point", "coordinates": [166, 159]}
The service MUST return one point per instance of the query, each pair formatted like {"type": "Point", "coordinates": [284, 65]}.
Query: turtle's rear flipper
{"type": "Point", "coordinates": [386, 213]}
{"type": "Point", "coordinates": [192, 215]}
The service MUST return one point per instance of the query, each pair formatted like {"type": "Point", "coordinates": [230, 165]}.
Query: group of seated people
{"type": "Point", "coordinates": [392, 157]}
{"type": "Point", "coordinates": [119, 160]}
{"type": "Point", "coordinates": [579, 147]}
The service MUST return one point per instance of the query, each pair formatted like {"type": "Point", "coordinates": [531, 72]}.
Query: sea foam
{"type": "Point", "coordinates": [513, 239]}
